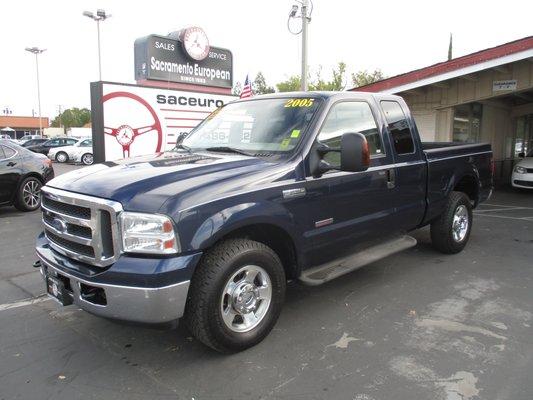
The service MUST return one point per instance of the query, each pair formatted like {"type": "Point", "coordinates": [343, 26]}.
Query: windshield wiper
{"type": "Point", "coordinates": [182, 146]}
{"type": "Point", "coordinates": [227, 149]}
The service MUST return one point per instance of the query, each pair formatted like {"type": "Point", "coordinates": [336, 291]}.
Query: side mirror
{"type": "Point", "coordinates": [521, 155]}
{"type": "Point", "coordinates": [355, 154]}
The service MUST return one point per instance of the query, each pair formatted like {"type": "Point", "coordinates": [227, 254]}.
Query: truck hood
{"type": "Point", "coordinates": [145, 183]}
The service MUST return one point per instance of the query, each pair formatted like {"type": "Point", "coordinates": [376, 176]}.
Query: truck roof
{"type": "Point", "coordinates": [322, 94]}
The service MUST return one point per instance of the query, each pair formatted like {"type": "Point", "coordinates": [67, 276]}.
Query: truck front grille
{"type": "Point", "coordinates": [81, 227]}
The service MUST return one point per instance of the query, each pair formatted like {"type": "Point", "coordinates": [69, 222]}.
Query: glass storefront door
{"type": "Point", "coordinates": [523, 140]}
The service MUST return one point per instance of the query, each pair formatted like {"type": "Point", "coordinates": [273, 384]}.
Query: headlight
{"type": "Point", "coordinates": [148, 233]}
{"type": "Point", "coordinates": [520, 170]}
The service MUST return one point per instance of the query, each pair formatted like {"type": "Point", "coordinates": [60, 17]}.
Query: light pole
{"type": "Point", "coordinates": [100, 16]}
{"type": "Point", "coordinates": [306, 18]}
{"type": "Point", "coordinates": [37, 51]}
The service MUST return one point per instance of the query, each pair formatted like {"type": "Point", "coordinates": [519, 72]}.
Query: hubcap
{"type": "Point", "coordinates": [87, 159]}
{"type": "Point", "coordinates": [31, 193]}
{"type": "Point", "coordinates": [460, 223]}
{"type": "Point", "coordinates": [246, 298]}
{"type": "Point", "coordinates": [61, 157]}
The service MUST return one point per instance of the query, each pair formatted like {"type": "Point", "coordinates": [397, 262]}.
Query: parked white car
{"type": "Point", "coordinates": [522, 176]}
{"type": "Point", "coordinates": [68, 153]}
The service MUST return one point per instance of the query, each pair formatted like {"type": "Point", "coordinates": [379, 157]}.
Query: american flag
{"type": "Point", "coordinates": [247, 89]}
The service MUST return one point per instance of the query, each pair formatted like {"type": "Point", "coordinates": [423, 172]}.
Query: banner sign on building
{"type": "Point", "coordinates": [132, 120]}
{"type": "Point", "coordinates": [184, 58]}
{"type": "Point", "coordinates": [498, 86]}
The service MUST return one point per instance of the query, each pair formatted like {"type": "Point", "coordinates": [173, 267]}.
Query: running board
{"type": "Point", "coordinates": [334, 269]}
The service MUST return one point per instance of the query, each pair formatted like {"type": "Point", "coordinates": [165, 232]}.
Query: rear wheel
{"type": "Point", "coordinates": [236, 295]}
{"type": "Point", "coordinates": [29, 194]}
{"type": "Point", "coordinates": [87, 159]}
{"type": "Point", "coordinates": [62, 157]}
{"type": "Point", "coordinates": [451, 231]}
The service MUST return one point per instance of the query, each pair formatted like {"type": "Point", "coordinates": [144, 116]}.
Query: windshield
{"type": "Point", "coordinates": [264, 125]}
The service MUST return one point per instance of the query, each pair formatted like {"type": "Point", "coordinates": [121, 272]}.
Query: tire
{"type": "Point", "coordinates": [29, 194]}
{"type": "Point", "coordinates": [451, 231]}
{"type": "Point", "coordinates": [61, 157]}
{"type": "Point", "coordinates": [214, 295]}
{"type": "Point", "coordinates": [87, 159]}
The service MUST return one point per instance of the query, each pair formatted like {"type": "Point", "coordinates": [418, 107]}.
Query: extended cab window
{"type": "Point", "coordinates": [346, 117]}
{"type": "Point", "coordinates": [398, 127]}
{"type": "Point", "coordinates": [255, 126]}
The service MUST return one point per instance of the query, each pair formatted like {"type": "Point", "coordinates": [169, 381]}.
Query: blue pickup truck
{"type": "Point", "coordinates": [299, 186]}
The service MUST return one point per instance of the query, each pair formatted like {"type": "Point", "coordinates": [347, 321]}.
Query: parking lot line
{"type": "Point", "coordinates": [502, 216]}
{"type": "Point", "coordinates": [505, 206]}
{"type": "Point", "coordinates": [504, 209]}
{"type": "Point", "coordinates": [23, 303]}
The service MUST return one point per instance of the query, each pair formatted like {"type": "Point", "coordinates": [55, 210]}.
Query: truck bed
{"type": "Point", "coordinates": [447, 160]}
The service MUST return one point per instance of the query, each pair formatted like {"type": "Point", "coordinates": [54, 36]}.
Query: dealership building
{"type": "Point", "coordinates": [485, 96]}
{"type": "Point", "coordinates": [18, 126]}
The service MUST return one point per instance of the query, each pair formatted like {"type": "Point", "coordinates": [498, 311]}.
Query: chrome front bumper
{"type": "Point", "coordinates": [127, 303]}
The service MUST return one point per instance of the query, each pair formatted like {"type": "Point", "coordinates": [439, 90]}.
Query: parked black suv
{"type": "Point", "coordinates": [43, 148]}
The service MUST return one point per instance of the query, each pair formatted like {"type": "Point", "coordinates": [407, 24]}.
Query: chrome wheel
{"type": "Point", "coordinates": [460, 223]}
{"type": "Point", "coordinates": [87, 159]}
{"type": "Point", "coordinates": [246, 298]}
{"type": "Point", "coordinates": [31, 193]}
{"type": "Point", "coordinates": [61, 157]}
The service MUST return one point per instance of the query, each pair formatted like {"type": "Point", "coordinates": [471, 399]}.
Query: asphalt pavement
{"type": "Point", "coordinates": [417, 325]}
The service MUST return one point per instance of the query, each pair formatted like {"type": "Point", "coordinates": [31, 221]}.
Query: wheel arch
{"type": "Point", "coordinates": [267, 223]}
{"type": "Point", "coordinates": [468, 184]}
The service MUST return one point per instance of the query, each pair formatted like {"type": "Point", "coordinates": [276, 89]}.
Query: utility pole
{"type": "Point", "coordinates": [37, 51]}
{"type": "Point", "coordinates": [305, 21]}
{"type": "Point", "coordinates": [60, 117]}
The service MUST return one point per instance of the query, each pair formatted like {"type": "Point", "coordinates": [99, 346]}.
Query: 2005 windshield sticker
{"type": "Point", "coordinates": [299, 102]}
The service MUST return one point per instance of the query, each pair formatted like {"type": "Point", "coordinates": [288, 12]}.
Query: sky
{"type": "Point", "coordinates": [394, 36]}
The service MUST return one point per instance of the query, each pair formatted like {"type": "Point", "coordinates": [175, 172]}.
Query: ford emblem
{"type": "Point", "coordinates": [59, 225]}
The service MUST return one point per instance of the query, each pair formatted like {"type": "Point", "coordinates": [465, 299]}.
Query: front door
{"type": "Point", "coordinates": [358, 207]}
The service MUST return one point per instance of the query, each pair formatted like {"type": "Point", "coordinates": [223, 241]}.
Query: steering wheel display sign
{"type": "Point", "coordinates": [134, 120]}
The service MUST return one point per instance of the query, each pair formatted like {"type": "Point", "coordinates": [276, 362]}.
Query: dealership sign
{"type": "Point", "coordinates": [131, 120]}
{"type": "Point", "coordinates": [498, 86]}
{"type": "Point", "coordinates": [184, 57]}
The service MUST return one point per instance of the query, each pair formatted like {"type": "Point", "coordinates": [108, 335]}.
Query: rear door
{"type": "Point", "coordinates": [10, 171]}
{"type": "Point", "coordinates": [409, 174]}
{"type": "Point", "coordinates": [358, 207]}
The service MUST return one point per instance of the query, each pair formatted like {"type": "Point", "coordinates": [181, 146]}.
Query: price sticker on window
{"type": "Point", "coordinates": [299, 102]}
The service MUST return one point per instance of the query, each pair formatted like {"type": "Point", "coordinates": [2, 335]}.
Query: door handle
{"type": "Point", "coordinates": [391, 178]}
{"type": "Point", "coordinates": [11, 164]}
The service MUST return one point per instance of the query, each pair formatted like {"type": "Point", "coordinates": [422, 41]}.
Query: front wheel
{"type": "Point", "coordinates": [29, 194]}
{"type": "Point", "coordinates": [451, 231]}
{"type": "Point", "coordinates": [236, 295]}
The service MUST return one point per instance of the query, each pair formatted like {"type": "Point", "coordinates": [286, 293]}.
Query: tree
{"type": "Point", "coordinates": [237, 89]}
{"type": "Point", "coordinates": [337, 83]}
{"type": "Point", "coordinates": [259, 85]}
{"type": "Point", "coordinates": [72, 118]}
{"type": "Point", "coordinates": [292, 84]}
{"type": "Point", "coordinates": [363, 78]}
